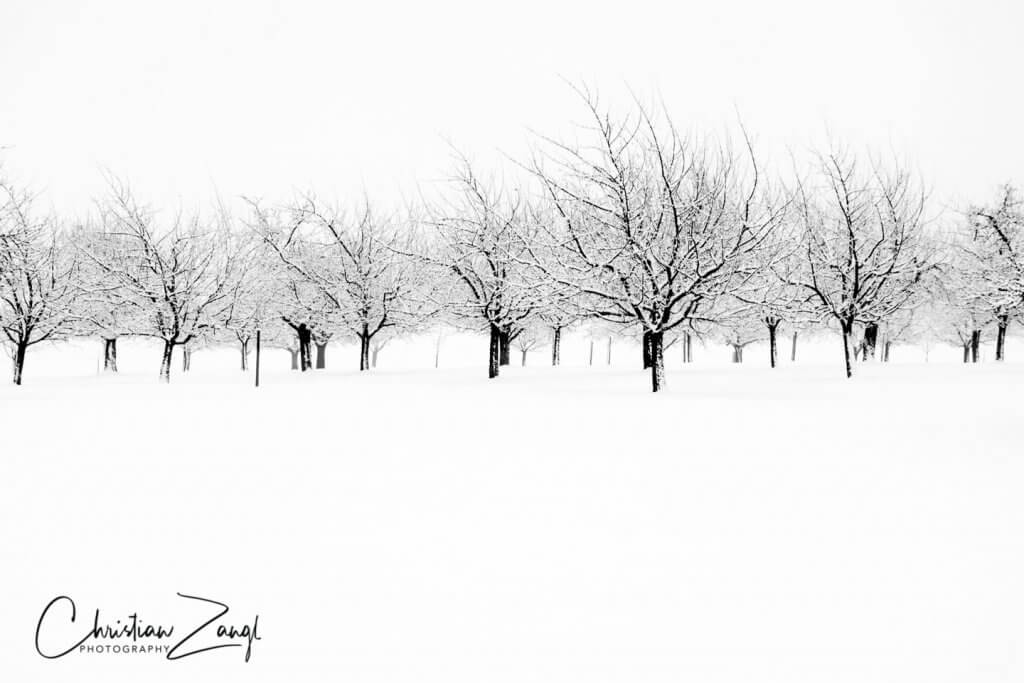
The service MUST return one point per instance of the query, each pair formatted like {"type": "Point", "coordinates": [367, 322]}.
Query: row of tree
{"type": "Point", "coordinates": [634, 227]}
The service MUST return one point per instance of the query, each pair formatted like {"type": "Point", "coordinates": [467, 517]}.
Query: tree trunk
{"type": "Point", "coordinates": [165, 361]}
{"type": "Point", "coordinates": [305, 342]}
{"type": "Point", "coordinates": [19, 361]}
{"type": "Point", "coordinates": [1002, 322]}
{"type": "Point", "coordinates": [186, 358]}
{"type": "Point", "coordinates": [259, 348]}
{"type": "Point", "coordinates": [688, 348]}
{"type": "Point", "coordinates": [504, 342]}
{"type": "Point", "coordinates": [657, 349]}
{"type": "Point", "coordinates": [591, 361]}
{"type": "Point", "coordinates": [848, 351]}
{"type": "Point", "coordinates": [244, 349]}
{"type": "Point", "coordinates": [110, 355]}
{"type": "Point", "coordinates": [321, 356]}
{"type": "Point", "coordinates": [437, 351]}
{"type": "Point", "coordinates": [556, 346]}
{"type": "Point", "coordinates": [967, 352]}
{"type": "Point", "coordinates": [870, 340]}
{"type": "Point", "coordinates": [295, 358]}
{"type": "Point", "coordinates": [737, 353]}
{"type": "Point", "coordinates": [524, 358]}
{"type": "Point", "coordinates": [792, 353]}
{"type": "Point", "coordinates": [975, 345]}
{"type": "Point", "coordinates": [885, 351]}
{"type": "Point", "coordinates": [773, 347]}
{"type": "Point", "coordinates": [494, 353]}
{"type": "Point", "coordinates": [609, 351]}
{"type": "Point", "coordinates": [373, 355]}
{"type": "Point", "coordinates": [364, 351]}
{"type": "Point", "coordinates": [646, 343]}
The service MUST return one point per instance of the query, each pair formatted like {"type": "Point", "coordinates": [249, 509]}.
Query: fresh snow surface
{"type": "Point", "coordinates": [557, 524]}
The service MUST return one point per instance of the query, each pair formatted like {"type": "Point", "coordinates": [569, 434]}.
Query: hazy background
{"type": "Point", "coordinates": [264, 98]}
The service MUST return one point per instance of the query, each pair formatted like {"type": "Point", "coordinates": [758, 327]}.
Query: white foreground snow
{"type": "Point", "coordinates": [554, 525]}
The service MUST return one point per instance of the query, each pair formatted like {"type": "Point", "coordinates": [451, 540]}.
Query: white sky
{"type": "Point", "coordinates": [263, 97]}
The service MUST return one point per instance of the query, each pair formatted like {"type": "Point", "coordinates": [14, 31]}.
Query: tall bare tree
{"type": "Point", "coordinates": [653, 227]}
{"type": "Point", "coordinates": [863, 240]}
{"type": "Point", "coordinates": [480, 231]}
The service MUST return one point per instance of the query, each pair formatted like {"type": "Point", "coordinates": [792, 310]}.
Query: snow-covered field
{"type": "Point", "coordinates": [558, 524]}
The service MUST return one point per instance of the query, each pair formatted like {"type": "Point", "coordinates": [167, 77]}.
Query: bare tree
{"type": "Point", "coordinates": [481, 232]}
{"type": "Point", "coordinates": [529, 338]}
{"type": "Point", "coordinates": [995, 251]}
{"type": "Point", "coordinates": [179, 279]}
{"type": "Point", "coordinates": [38, 277]}
{"type": "Point", "coordinates": [653, 227]}
{"type": "Point", "coordinates": [741, 327]}
{"type": "Point", "coordinates": [952, 322]}
{"type": "Point", "coordinates": [252, 299]}
{"type": "Point", "coordinates": [960, 306]}
{"type": "Point", "coordinates": [101, 307]}
{"type": "Point", "coordinates": [863, 241]}
{"type": "Point", "coordinates": [905, 326]}
{"type": "Point", "coordinates": [770, 295]}
{"type": "Point", "coordinates": [303, 308]}
{"type": "Point", "coordinates": [356, 263]}
{"type": "Point", "coordinates": [559, 313]}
